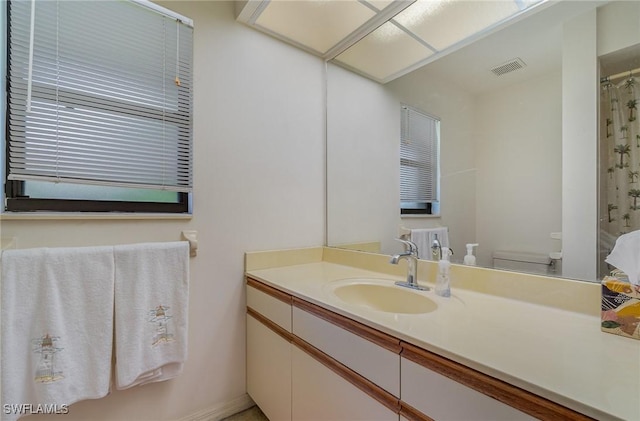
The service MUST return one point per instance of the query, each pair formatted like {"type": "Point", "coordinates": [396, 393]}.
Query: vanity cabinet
{"type": "Point", "coordinates": [307, 377]}
{"type": "Point", "coordinates": [305, 362]}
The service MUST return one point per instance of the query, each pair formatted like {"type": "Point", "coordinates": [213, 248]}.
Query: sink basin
{"type": "Point", "coordinates": [387, 298]}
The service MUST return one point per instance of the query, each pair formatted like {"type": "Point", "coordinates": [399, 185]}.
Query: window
{"type": "Point", "coordinates": [99, 107]}
{"type": "Point", "coordinates": [419, 162]}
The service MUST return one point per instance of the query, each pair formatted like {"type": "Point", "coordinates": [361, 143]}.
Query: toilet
{"type": "Point", "coordinates": [522, 261]}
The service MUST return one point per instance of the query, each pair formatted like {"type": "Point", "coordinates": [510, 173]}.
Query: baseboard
{"type": "Point", "coordinates": [222, 410]}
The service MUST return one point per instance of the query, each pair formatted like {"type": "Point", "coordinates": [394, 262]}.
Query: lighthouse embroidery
{"type": "Point", "coordinates": [46, 347]}
{"type": "Point", "coordinates": [161, 318]}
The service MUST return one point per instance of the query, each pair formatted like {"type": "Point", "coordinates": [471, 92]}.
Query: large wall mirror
{"type": "Point", "coordinates": [519, 151]}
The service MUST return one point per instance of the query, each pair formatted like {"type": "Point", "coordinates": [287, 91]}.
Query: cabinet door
{"type": "Point", "coordinates": [441, 398]}
{"type": "Point", "coordinates": [268, 370]}
{"type": "Point", "coordinates": [321, 394]}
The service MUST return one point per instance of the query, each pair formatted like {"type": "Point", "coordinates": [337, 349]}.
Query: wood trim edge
{"type": "Point", "coordinates": [269, 290]}
{"type": "Point", "coordinates": [412, 414]}
{"type": "Point", "coordinates": [502, 391]}
{"type": "Point", "coordinates": [286, 335]}
{"type": "Point", "coordinates": [365, 385]}
{"type": "Point", "coordinates": [379, 338]}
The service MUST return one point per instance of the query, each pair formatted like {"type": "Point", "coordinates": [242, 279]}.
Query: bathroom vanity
{"type": "Point", "coordinates": [321, 344]}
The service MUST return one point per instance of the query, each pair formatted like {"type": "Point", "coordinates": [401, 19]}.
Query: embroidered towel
{"type": "Point", "coordinates": [423, 238]}
{"type": "Point", "coordinates": [151, 311]}
{"type": "Point", "coordinates": [57, 327]}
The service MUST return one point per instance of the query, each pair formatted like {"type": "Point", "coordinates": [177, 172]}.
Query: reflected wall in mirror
{"type": "Point", "coordinates": [519, 151]}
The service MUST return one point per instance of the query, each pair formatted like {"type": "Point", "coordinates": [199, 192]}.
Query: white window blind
{"type": "Point", "coordinates": [419, 142]}
{"type": "Point", "coordinates": [99, 92]}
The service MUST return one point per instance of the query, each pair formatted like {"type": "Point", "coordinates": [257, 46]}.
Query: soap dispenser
{"type": "Point", "coordinates": [470, 259]}
{"type": "Point", "coordinates": [443, 287]}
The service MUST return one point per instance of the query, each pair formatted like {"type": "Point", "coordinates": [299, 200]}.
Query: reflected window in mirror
{"type": "Point", "coordinates": [419, 162]}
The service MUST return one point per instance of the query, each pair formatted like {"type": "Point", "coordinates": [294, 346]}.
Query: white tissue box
{"type": "Point", "coordinates": [620, 307]}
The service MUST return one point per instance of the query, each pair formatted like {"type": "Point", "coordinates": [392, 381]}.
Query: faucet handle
{"type": "Point", "coordinates": [410, 246]}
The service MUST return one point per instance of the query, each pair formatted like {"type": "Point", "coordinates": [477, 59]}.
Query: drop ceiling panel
{"type": "Point", "coordinates": [383, 52]}
{"type": "Point", "coordinates": [442, 23]}
{"type": "Point", "coordinates": [318, 25]}
{"type": "Point", "coordinates": [416, 32]}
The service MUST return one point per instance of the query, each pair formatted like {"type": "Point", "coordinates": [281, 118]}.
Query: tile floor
{"type": "Point", "coordinates": [252, 414]}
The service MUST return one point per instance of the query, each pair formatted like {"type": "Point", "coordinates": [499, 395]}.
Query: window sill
{"type": "Point", "coordinates": [17, 216]}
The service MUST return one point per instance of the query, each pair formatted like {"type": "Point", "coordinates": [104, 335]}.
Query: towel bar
{"type": "Point", "coordinates": [189, 235]}
{"type": "Point", "coordinates": [192, 237]}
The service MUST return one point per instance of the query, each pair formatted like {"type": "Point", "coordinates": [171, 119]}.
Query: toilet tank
{"type": "Point", "coordinates": [521, 261]}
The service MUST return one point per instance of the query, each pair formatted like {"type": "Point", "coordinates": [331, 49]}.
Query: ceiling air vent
{"type": "Point", "coordinates": [509, 66]}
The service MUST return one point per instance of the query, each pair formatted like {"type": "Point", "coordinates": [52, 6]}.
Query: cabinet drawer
{"type": "Point", "coordinates": [274, 309]}
{"type": "Point", "coordinates": [377, 364]}
{"type": "Point", "coordinates": [441, 398]}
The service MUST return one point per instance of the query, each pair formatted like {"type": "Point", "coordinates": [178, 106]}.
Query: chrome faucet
{"type": "Point", "coordinates": [411, 255]}
{"type": "Point", "coordinates": [436, 248]}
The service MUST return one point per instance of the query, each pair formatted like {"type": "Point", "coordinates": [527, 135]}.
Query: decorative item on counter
{"type": "Point", "coordinates": [620, 307]}
{"type": "Point", "coordinates": [620, 292]}
{"type": "Point", "coordinates": [443, 282]}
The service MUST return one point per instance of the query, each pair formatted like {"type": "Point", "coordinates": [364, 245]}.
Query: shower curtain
{"type": "Point", "coordinates": [621, 136]}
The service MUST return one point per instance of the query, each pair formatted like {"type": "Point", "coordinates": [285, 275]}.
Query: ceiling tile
{"type": "Point", "coordinates": [442, 23]}
{"type": "Point", "coordinates": [385, 51]}
{"type": "Point", "coordinates": [318, 25]}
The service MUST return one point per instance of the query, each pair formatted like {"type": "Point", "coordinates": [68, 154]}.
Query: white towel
{"type": "Point", "coordinates": [423, 238]}
{"type": "Point", "coordinates": [57, 327]}
{"type": "Point", "coordinates": [151, 311]}
{"type": "Point", "coordinates": [626, 255]}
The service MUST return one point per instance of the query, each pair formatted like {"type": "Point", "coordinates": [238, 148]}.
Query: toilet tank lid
{"type": "Point", "coordinates": [521, 256]}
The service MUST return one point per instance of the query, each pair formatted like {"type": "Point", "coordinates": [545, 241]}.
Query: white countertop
{"type": "Point", "coordinates": [560, 355]}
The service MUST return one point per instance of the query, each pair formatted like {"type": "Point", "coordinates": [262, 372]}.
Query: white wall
{"type": "Point", "coordinates": [579, 147]}
{"type": "Point", "coordinates": [259, 184]}
{"type": "Point", "coordinates": [519, 161]}
{"type": "Point", "coordinates": [618, 26]}
{"type": "Point", "coordinates": [363, 177]}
